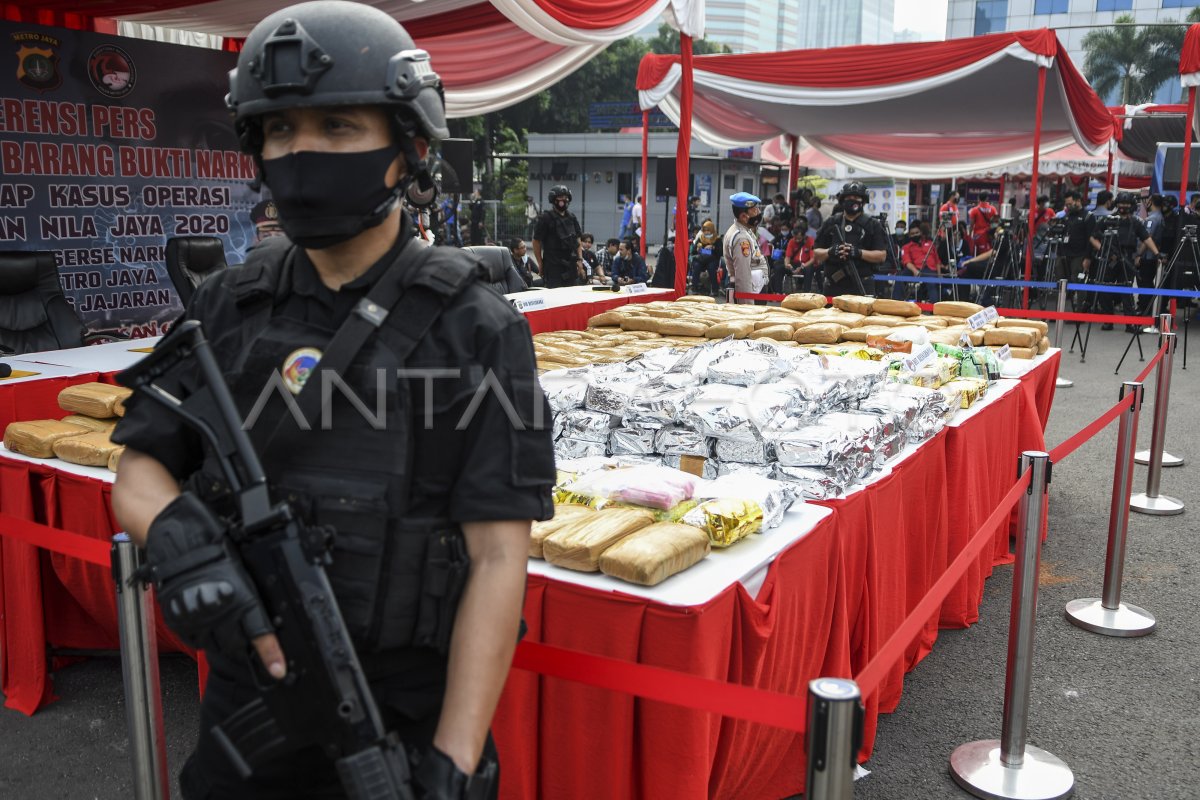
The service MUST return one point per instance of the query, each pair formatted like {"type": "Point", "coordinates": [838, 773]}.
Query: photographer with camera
{"type": "Point", "coordinates": [1075, 233]}
{"type": "Point", "coordinates": [1147, 263]}
{"type": "Point", "coordinates": [950, 207]}
{"type": "Point", "coordinates": [1125, 232]}
{"type": "Point", "coordinates": [850, 244]}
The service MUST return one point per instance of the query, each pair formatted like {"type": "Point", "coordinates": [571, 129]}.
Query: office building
{"type": "Point", "coordinates": [1075, 18]}
{"type": "Point", "coordinates": [749, 26]}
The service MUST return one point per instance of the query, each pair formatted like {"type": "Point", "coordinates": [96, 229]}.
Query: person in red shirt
{"type": "Point", "coordinates": [1044, 212]}
{"type": "Point", "coordinates": [798, 258]}
{"type": "Point", "coordinates": [980, 218]}
{"type": "Point", "coordinates": [919, 256]}
{"type": "Point", "coordinates": [950, 207]}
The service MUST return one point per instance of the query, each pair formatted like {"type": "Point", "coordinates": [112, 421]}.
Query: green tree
{"type": "Point", "coordinates": [1129, 63]}
{"type": "Point", "coordinates": [666, 42]}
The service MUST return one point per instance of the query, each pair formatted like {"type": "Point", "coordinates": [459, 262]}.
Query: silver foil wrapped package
{"type": "Point", "coordinates": [719, 411]}
{"type": "Point", "coordinates": [736, 468]}
{"type": "Point", "coordinates": [590, 426]}
{"type": "Point", "coordinates": [812, 446]}
{"type": "Point", "coordinates": [892, 446]}
{"type": "Point", "coordinates": [654, 407]}
{"type": "Point", "coordinates": [657, 361]}
{"type": "Point", "coordinates": [858, 424]}
{"type": "Point", "coordinates": [674, 460]}
{"type": "Point", "coordinates": [746, 369]}
{"type": "Point", "coordinates": [565, 388]}
{"type": "Point", "coordinates": [773, 497]}
{"type": "Point", "coordinates": [743, 451]}
{"type": "Point", "coordinates": [813, 484]}
{"type": "Point", "coordinates": [779, 407]}
{"type": "Point", "coordinates": [612, 396]}
{"type": "Point", "coordinates": [885, 401]}
{"type": "Point", "coordinates": [578, 448]}
{"type": "Point", "coordinates": [631, 441]}
{"type": "Point", "coordinates": [676, 440]}
{"type": "Point", "coordinates": [858, 376]}
{"type": "Point", "coordinates": [639, 461]}
{"type": "Point", "coordinates": [557, 424]}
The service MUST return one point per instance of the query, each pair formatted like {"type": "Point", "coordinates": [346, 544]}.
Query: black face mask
{"type": "Point", "coordinates": [329, 198]}
{"type": "Point", "coordinates": [852, 208]}
{"type": "Point", "coordinates": [756, 220]}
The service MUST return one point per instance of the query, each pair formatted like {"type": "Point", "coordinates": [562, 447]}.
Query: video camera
{"type": "Point", "coordinates": [1056, 231]}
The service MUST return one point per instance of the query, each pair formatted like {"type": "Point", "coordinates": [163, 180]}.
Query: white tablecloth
{"type": "Point", "coordinates": [574, 295]}
{"type": "Point", "coordinates": [110, 357]}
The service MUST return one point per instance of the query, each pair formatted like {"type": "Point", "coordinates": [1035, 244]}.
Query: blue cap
{"type": "Point", "coordinates": [744, 200]}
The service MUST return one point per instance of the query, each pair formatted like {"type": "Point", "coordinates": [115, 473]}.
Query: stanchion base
{"type": "Point", "coordinates": [977, 768]}
{"type": "Point", "coordinates": [1153, 331]}
{"type": "Point", "coordinates": [1161, 506]}
{"type": "Point", "coordinates": [1143, 457]}
{"type": "Point", "coordinates": [1128, 620]}
{"type": "Point", "coordinates": [1063, 383]}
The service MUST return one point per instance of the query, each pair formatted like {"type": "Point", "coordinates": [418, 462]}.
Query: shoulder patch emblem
{"type": "Point", "coordinates": [745, 248]}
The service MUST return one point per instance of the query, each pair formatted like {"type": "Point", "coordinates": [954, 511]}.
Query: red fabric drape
{"type": "Point", "coordinates": [1037, 147]}
{"type": "Point", "coordinates": [59, 15]}
{"type": "Point", "coordinates": [1189, 57]}
{"type": "Point", "coordinates": [462, 20]}
{"type": "Point", "coordinates": [860, 65]}
{"type": "Point", "coordinates": [683, 184]}
{"type": "Point", "coordinates": [793, 165]}
{"type": "Point", "coordinates": [594, 14]}
{"type": "Point", "coordinates": [1108, 175]}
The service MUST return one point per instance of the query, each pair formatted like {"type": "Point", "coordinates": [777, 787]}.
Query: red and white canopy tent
{"type": "Point", "coordinates": [1189, 76]}
{"type": "Point", "coordinates": [922, 109]}
{"type": "Point", "coordinates": [490, 53]}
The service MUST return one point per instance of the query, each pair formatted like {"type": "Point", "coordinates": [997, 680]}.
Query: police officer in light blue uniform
{"type": "Point", "coordinates": [742, 253]}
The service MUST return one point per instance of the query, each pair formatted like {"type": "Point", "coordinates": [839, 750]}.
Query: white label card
{"type": "Point", "coordinates": [636, 288]}
{"type": "Point", "coordinates": [920, 358]}
{"type": "Point", "coordinates": [991, 313]}
{"type": "Point", "coordinates": [1004, 354]}
{"type": "Point", "coordinates": [524, 304]}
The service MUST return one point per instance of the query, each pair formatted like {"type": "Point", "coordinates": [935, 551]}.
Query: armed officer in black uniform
{"type": "Point", "coordinates": [556, 244]}
{"type": "Point", "coordinates": [430, 457]}
{"type": "Point", "coordinates": [851, 245]}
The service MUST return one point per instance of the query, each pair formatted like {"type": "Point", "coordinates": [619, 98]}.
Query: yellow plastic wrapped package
{"type": "Point", "coordinates": [726, 520]}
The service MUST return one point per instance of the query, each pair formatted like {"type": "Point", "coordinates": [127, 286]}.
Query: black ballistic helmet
{"type": "Point", "coordinates": [1126, 199]}
{"type": "Point", "coordinates": [855, 189]}
{"type": "Point", "coordinates": [560, 191]}
{"type": "Point", "coordinates": [334, 53]}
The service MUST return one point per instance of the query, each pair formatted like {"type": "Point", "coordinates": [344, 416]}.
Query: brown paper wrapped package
{"type": "Point", "coordinates": [89, 450]}
{"type": "Point", "coordinates": [780, 333]}
{"type": "Point", "coordinates": [804, 301]}
{"type": "Point", "coordinates": [1013, 337]}
{"type": "Point", "coordinates": [578, 544]}
{"type": "Point", "coordinates": [772, 320]}
{"type": "Point", "coordinates": [1013, 322]}
{"type": "Point", "coordinates": [1022, 352]}
{"type": "Point", "coordinates": [697, 298]}
{"type": "Point", "coordinates": [819, 333]}
{"type": "Point", "coordinates": [899, 308]}
{"type": "Point", "coordinates": [114, 459]}
{"type": "Point", "coordinates": [738, 330]}
{"type": "Point", "coordinates": [91, 423]}
{"type": "Point", "coordinates": [92, 399]}
{"type": "Point", "coordinates": [956, 308]}
{"type": "Point", "coordinates": [861, 334]}
{"type": "Point", "coordinates": [884, 319]}
{"type": "Point", "coordinates": [1043, 345]}
{"type": "Point", "coordinates": [848, 319]}
{"type": "Point", "coordinates": [855, 304]}
{"type": "Point", "coordinates": [655, 553]}
{"type": "Point", "coordinates": [563, 514]}
{"type": "Point", "coordinates": [37, 437]}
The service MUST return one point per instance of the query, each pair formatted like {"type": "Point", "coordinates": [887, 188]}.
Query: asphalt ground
{"type": "Point", "coordinates": [1123, 713]}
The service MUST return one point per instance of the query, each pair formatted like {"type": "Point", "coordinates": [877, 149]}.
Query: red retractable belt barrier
{"type": "Point", "coordinates": [85, 548]}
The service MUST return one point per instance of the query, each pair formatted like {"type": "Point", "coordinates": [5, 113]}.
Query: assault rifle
{"type": "Point", "coordinates": [325, 699]}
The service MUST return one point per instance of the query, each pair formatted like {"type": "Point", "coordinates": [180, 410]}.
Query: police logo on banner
{"type": "Point", "coordinates": [37, 61]}
{"type": "Point", "coordinates": [111, 71]}
{"type": "Point", "coordinates": [298, 366]}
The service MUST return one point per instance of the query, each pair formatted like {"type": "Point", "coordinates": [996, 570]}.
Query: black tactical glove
{"type": "Point", "coordinates": [851, 251]}
{"type": "Point", "coordinates": [206, 596]}
{"type": "Point", "coordinates": [437, 777]}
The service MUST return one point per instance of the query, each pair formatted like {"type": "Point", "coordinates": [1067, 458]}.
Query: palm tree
{"type": "Point", "coordinates": [1132, 61]}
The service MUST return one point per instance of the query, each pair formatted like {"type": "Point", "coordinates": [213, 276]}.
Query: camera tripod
{"type": "Point", "coordinates": [1188, 244]}
{"type": "Point", "coordinates": [948, 234]}
{"type": "Point", "coordinates": [1002, 265]}
{"type": "Point", "coordinates": [1049, 263]}
{"type": "Point", "coordinates": [1113, 267]}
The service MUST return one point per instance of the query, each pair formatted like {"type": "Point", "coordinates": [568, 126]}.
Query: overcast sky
{"type": "Point", "coordinates": [926, 17]}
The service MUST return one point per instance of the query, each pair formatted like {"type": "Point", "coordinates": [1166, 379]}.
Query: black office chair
{"type": "Point", "coordinates": [192, 260]}
{"type": "Point", "coordinates": [34, 313]}
{"type": "Point", "coordinates": [502, 273]}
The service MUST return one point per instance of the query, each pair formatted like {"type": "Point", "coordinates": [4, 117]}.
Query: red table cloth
{"type": "Point", "coordinates": [574, 317]}
{"type": "Point", "coordinates": [36, 399]}
{"type": "Point", "coordinates": [1043, 378]}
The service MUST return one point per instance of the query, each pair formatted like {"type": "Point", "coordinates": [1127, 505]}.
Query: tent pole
{"type": "Point", "coordinates": [645, 172]}
{"type": "Point", "coordinates": [683, 154]}
{"type": "Point", "coordinates": [793, 168]}
{"type": "Point", "coordinates": [1037, 154]}
{"type": "Point", "coordinates": [1187, 146]}
{"type": "Point", "coordinates": [1108, 172]}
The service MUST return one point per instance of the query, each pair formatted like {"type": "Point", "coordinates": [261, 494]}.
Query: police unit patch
{"type": "Point", "coordinates": [298, 366]}
{"type": "Point", "coordinates": [745, 248]}
{"type": "Point", "coordinates": [37, 61]}
{"type": "Point", "coordinates": [849, 228]}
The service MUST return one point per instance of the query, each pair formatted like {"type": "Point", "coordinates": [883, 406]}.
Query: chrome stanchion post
{"type": "Point", "coordinates": [1108, 615]}
{"type": "Point", "coordinates": [835, 729]}
{"type": "Point", "coordinates": [729, 298]}
{"type": "Point", "coordinates": [1060, 382]}
{"type": "Point", "coordinates": [1150, 501]}
{"type": "Point", "coordinates": [1010, 768]}
{"type": "Point", "coordinates": [1157, 302]}
{"type": "Point", "coordinates": [139, 669]}
{"type": "Point", "coordinates": [1143, 456]}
